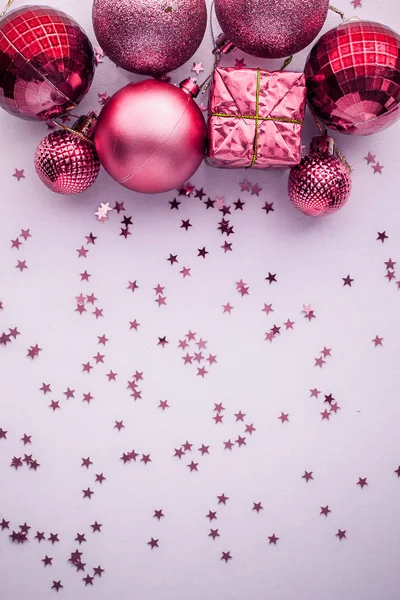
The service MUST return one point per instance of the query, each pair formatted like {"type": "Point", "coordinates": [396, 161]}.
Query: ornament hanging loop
{"type": "Point", "coordinates": [338, 12]}
{"type": "Point", "coordinates": [82, 128]}
{"type": "Point", "coordinates": [324, 134]}
{"type": "Point", "coordinates": [5, 9]}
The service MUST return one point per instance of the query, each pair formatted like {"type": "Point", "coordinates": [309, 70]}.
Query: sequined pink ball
{"type": "Point", "coordinates": [271, 28]}
{"type": "Point", "coordinates": [46, 63]}
{"type": "Point", "coordinates": [151, 136]}
{"type": "Point", "coordinates": [320, 184]}
{"type": "Point", "coordinates": [353, 77]}
{"type": "Point", "coordinates": [150, 37]}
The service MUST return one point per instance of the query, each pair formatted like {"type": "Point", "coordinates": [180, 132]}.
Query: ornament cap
{"type": "Point", "coordinates": [86, 124]}
{"type": "Point", "coordinates": [223, 45]}
{"type": "Point", "coordinates": [323, 143]}
{"type": "Point", "coordinates": [190, 86]}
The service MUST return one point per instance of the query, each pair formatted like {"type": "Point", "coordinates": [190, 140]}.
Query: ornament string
{"type": "Point", "coordinates": [338, 12]}
{"type": "Point", "coordinates": [217, 56]}
{"type": "Point", "coordinates": [5, 9]}
{"type": "Point", "coordinates": [322, 131]}
{"type": "Point", "coordinates": [77, 133]}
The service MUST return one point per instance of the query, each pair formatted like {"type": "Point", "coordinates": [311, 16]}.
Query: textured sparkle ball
{"type": "Point", "coordinates": [46, 63]}
{"type": "Point", "coordinates": [271, 28]}
{"type": "Point", "coordinates": [66, 162]}
{"type": "Point", "coordinates": [150, 136]}
{"type": "Point", "coordinates": [150, 37]}
{"type": "Point", "coordinates": [353, 77]}
{"type": "Point", "coordinates": [321, 183]}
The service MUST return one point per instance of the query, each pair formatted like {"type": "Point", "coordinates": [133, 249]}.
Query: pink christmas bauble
{"type": "Point", "coordinates": [150, 136]}
{"type": "Point", "coordinates": [353, 77]}
{"type": "Point", "coordinates": [66, 161]}
{"type": "Point", "coordinates": [46, 63]}
{"type": "Point", "coordinates": [150, 37]}
{"type": "Point", "coordinates": [271, 28]}
{"type": "Point", "coordinates": [320, 184]}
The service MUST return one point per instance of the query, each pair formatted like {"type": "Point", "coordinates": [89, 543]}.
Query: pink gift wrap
{"type": "Point", "coordinates": [255, 118]}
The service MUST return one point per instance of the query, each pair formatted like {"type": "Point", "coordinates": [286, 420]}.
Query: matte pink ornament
{"type": "Point", "coordinates": [271, 28]}
{"type": "Point", "coordinates": [353, 77]}
{"type": "Point", "coordinates": [150, 37]}
{"type": "Point", "coordinates": [151, 136]}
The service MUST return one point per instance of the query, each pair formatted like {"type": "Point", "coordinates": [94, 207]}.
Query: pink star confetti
{"type": "Point", "coordinates": [197, 68]}
{"type": "Point", "coordinates": [98, 55]}
{"type": "Point", "coordinates": [226, 556]}
{"type": "Point", "coordinates": [21, 265]}
{"type": "Point", "coordinates": [102, 211]}
{"type": "Point", "coordinates": [325, 510]}
{"type": "Point", "coordinates": [103, 98]}
{"type": "Point", "coordinates": [377, 168]}
{"type": "Point", "coordinates": [341, 534]}
{"type": "Point", "coordinates": [255, 189]}
{"type": "Point", "coordinates": [273, 539]}
{"type": "Point", "coordinates": [382, 236]}
{"type": "Point", "coordinates": [239, 63]}
{"type": "Point", "coordinates": [308, 475]}
{"type": "Point", "coordinates": [227, 308]}
{"type": "Point", "coordinates": [370, 158]}
{"type": "Point", "coordinates": [19, 174]}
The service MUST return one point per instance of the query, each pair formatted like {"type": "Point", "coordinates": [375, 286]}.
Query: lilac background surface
{"type": "Point", "coordinates": [310, 258]}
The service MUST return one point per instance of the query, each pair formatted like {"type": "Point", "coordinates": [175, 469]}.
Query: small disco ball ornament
{"type": "Point", "coordinates": [67, 161]}
{"type": "Point", "coordinates": [321, 183]}
{"type": "Point", "coordinates": [353, 77]}
{"type": "Point", "coordinates": [149, 37]}
{"type": "Point", "coordinates": [271, 28]}
{"type": "Point", "coordinates": [46, 63]}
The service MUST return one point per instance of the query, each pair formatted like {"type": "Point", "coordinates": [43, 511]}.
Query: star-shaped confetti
{"type": "Point", "coordinates": [197, 68]}
{"type": "Point", "coordinates": [19, 174]}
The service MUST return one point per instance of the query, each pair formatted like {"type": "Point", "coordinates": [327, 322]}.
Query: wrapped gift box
{"type": "Point", "coordinates": [255, 118]}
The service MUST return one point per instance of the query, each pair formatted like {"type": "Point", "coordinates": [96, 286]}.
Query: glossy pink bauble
{"type": "Point", "coordinates": [150, 136]}
{"type": "Point", "coordinates": [150, 37]}
{"type": "Point", "coordinates": [353, 77]}
{"type": "Point", "coordinates": [271, 28]}
{"type": "Point", "coordinates": [46, 63]}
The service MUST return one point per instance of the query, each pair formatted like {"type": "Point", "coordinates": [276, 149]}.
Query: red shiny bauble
{"type": "Point", "coordinates": [46, 63]}
{"type": "Point", "coordinates": [321, 183]}
{"type": "Point", "coordinates": [353, 77]}
{"type": "Point", "coordinates": [271, 28]}
{"type": "Point", "coordinates": [67, 161]}
{"type": "Point", "coordinates": [151, 136]}
{"type": "Point", "coordinates": [150, 37]}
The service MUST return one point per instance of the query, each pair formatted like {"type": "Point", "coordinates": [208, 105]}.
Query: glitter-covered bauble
{"type": "Point", "coordinates": [151, 135]}
{"type": "Point", "coordinates": [321, 183]}
{"type": "Point", "coordinates": [150, 37]}
{"type": "Point", "coordinates": [46, 63]}
{"type": "Point", "coordinates": [271, 28]}
{"type": "Point", "coordinates": [353, 77]}
{"type": "Point", "coordinates": [67, 161]}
